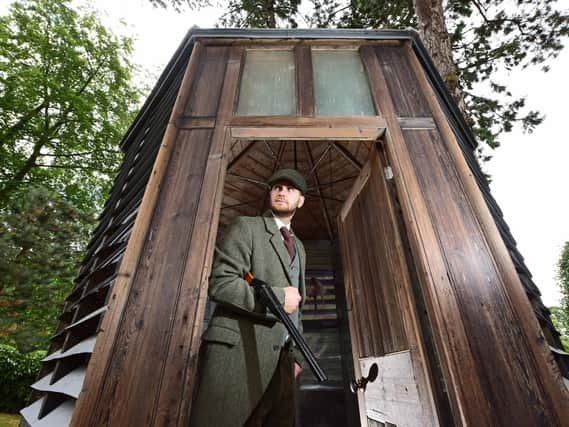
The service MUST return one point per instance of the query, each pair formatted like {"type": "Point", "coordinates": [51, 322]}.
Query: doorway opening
{"type": "Point", "coordinates": [336, 172]}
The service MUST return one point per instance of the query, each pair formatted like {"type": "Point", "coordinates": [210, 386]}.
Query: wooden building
{"type": "Point", "coordinates": [410, 263]}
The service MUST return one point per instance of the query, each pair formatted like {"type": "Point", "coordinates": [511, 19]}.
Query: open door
{"type": "Point", "coordinates": [381, 307]}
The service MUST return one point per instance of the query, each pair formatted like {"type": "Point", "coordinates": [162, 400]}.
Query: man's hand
{"type": "Point", "coordinates": [297, 370]}
{"type": "Point", "coordinates": [292, 299]}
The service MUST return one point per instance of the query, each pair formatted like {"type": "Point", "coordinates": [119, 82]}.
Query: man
{"type": "Point", "coordinates": [248, 365]}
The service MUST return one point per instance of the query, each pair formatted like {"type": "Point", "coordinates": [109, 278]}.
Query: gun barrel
{"type": "Point", "coordinates": [269, 298]}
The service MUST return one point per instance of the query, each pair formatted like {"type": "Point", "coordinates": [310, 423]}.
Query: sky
{"type": "Point", "coordinates": [530, 172]}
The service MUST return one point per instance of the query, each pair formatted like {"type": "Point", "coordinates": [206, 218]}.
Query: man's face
{"type": "Point", "coordinates": [285, 199]}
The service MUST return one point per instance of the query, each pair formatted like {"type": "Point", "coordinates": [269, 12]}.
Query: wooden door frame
{"type": "Point", "coordinates": [358, 128]}
{"type": "Point", "coordinates": [348, 129]}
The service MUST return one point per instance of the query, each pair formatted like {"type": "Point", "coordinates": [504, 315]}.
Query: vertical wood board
{"type": "Point", "coordinates": [135, 367]}
{"type": "Point", "coordinates": [407, 97]}
{"type": "Point", "coordinates": [206, 89]}
{"type": "Point", "coordinates": [199, 266]}
{"type": "Point", "coordinates": [147, 320]}
{"type": "Point", "coordinates": [429, 261]}
{"type": "Point", "coordinates": [485, 311]}
{"type": "Point", "coordinates": [105, 345]}
{"type": "Point", "coordinates": [546, 372]}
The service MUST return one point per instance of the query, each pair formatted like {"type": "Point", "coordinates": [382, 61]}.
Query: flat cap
{"type": "Point", "coordinates": [289, 175]}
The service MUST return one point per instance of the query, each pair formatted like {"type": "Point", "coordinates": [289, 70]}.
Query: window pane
{"type": "Point", "coordinates": [340, 84]}
{"type": "Point", "coordinates": [267, 84]}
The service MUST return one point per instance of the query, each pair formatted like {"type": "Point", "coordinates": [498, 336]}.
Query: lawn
{"type": "Point", "coordinates": [9, 420]}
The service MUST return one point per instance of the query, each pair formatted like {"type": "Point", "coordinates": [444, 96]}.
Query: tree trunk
{"type": "Point", "coordinates": [434, 34]}
{"type": "Point", "coordinates": [271, 21]}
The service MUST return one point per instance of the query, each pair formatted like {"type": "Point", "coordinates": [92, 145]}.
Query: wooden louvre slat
{"type": "Point", "coordinates": [89, 316]}
{"type": "Point", "coordinates": [69, 385]}
{"type": "Point", "coordinates": [59, 417]}
{"type": "Point", "coordinates": [85, 346]}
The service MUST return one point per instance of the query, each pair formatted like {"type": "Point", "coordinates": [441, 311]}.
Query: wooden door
{"type": "Point", "coordinates": [383, 322]}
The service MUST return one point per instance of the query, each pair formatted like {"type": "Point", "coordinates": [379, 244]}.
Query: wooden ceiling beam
{"type": "Point", "coordinates": [248, 179]}
{"type": "Point", "coordinates": [318, 196]}
{"type": "Point", "coordinates": [319, 191]}
{"type": "Point", "coordinates": [336, 181]}
{"type": "Point", "coordinates": [347, 155]}
{"type": "Point", "coordinates": [326, 150]}
{"type": "Point", "coordinates": [273, 154]}
{"type": "Point", "coordinates": [276, 166]}
{"type": "Point", "coordinates": [236, 205]}
{"type": "Point", "coordinates": [240, 155]}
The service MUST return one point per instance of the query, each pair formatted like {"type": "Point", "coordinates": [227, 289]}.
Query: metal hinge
{"type": "Point", "coordinates": [388, 172]}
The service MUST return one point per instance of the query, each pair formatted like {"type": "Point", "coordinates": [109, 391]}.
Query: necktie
{"type": "Point", "coordinates": [288, 241]}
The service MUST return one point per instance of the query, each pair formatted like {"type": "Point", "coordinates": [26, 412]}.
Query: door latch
{"type": "Point", "coordinates": [362, 382]}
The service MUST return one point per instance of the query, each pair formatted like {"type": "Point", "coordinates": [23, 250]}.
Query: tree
{"type": "Point", "coordinates": [471, 42]}
{"type": "Point", "coordinates": [65, 101]}
{"type": "Point", "coordinates": [563, 280]}
{"type": "Point", "coordinates": [42, 237]}
{"type": "Point", "coordinates": [561, 323]}
{"type": "Point", "coordinates": [66, 98]}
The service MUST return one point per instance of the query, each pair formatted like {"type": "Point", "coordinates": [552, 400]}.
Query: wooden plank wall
{"type": "Point", "coordinates": [492, 350]}
{"type": "Point", "coordinates": [153, 313]}
{"type": "Point", "coordinates": [369, 250]}
{"type": "Point", "coordinates": [378, 285]}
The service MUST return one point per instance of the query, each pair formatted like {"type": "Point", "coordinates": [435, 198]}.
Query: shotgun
{"type": "Point", "coordinates": [270, 300]}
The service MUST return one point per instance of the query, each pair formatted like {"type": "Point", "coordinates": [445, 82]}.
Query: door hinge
{"type": "Point", "coordinates": [388, 172]}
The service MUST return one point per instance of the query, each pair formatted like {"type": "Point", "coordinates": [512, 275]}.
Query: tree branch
{"type": "Point", "coordinates": [78, 154]}
{"type": "Point", "coordinates": [75, 167]}
{"type": "Point", "coordinates": [20, 123]}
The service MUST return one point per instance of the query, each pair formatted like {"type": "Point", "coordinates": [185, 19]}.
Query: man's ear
{"type": "Point", "coordinates": [301, 201]}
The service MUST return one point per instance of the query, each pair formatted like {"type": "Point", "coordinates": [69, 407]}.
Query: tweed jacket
{"type": "Point", "coordinates": [241, 346]}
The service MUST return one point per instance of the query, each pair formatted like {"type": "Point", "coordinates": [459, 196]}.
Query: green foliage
{"type": "Point", "coordinates": [41, 240]}
{"type": "Point", "coordinates": [66, 99]}
{"type": "Point", "coordinates": [363, 14]}
{"type": "Point", "coordinates": [178, 5]}
{"type": "Point", "coordinates": [260, 14]}
{"type": "Point", "coordinates": [18, 371]}
{"type": "Point", "coordinates": [563, 280]}
{"type": "Point", "coordinates": [490, 36]}
{"type": "Point", "coordinates": [560, 321]}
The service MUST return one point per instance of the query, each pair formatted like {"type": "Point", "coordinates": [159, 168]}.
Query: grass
{"type": "Point", "coordinates": [9, 420]}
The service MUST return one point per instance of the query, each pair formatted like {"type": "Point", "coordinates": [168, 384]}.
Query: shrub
{"type": "Point", "coordinates": [18, 371]}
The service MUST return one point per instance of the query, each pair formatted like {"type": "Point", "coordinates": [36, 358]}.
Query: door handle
{"type": "Point", "coordinates": [355, 385]}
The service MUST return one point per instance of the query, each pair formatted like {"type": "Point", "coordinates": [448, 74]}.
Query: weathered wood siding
{"type": "Point", "coordinates": [380, 299]}
{"type": "Point", "coordinates": [148, 344]}
{"type": "Point", "coordinates": [497, 364]}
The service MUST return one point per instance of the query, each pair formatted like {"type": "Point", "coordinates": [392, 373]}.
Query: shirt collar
{"type": "Point", "coordinates": [280, 223]}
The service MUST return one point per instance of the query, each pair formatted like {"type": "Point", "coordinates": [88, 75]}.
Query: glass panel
{"type": "Point", "coordinates": [268, 84]}
{"type": "Point", "coordinates": [340, 84]}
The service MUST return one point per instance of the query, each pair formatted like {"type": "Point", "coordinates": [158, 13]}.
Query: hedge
{"type": "Point", "coordinates": [18, 371]}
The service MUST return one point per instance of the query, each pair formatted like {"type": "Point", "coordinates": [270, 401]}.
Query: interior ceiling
{"type": "Point", "coordinates": [329, 167]}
